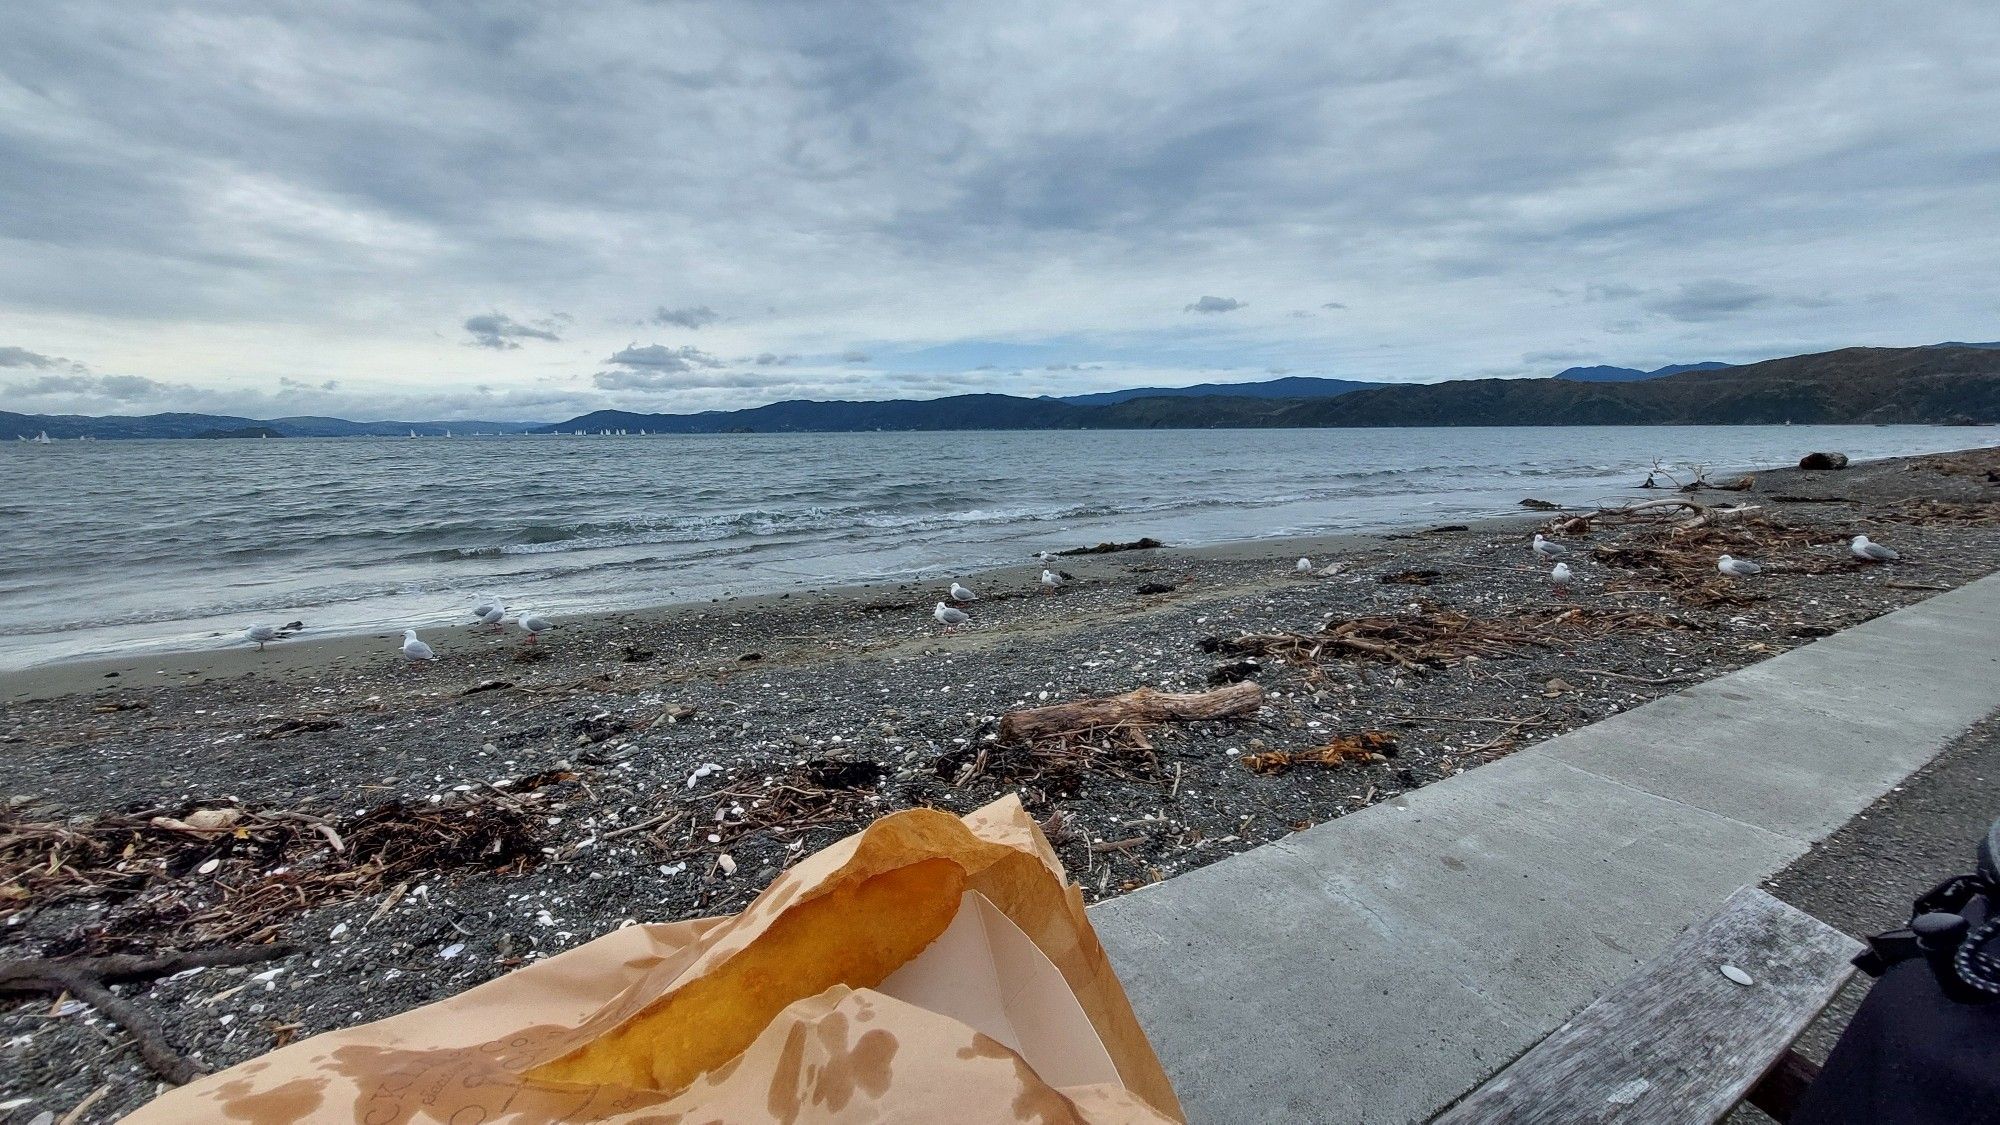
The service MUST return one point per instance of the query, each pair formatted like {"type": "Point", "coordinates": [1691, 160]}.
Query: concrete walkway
{"type": "Point", "coordinates": [1378, 966]}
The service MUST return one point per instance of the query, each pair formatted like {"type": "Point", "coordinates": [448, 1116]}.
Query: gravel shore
{"type": "Point", "coordinates": [666, 764]}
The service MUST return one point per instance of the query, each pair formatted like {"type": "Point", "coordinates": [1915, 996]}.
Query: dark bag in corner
{"type": "Point", "coordinates": [1924, 1048]}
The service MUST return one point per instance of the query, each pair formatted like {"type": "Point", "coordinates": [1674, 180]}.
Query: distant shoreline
{"type": "Point", "coordinates": [543, 433]}
{"type": "Point", "coordinates": [1939, 384]}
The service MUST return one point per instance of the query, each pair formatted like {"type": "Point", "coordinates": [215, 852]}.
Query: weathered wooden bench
{"type": "Point", "coordinates": [1705, 1025]}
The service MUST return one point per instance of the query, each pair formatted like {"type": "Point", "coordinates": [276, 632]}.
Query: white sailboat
{"type": "Point", "coordinates": [41, 438]}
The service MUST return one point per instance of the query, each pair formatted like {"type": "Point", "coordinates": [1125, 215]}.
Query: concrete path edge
{"type": "Point", "coordinates": [1378, 966]}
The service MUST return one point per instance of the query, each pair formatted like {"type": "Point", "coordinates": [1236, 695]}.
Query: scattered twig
{"type": "Point", "coordinates": [77, 1111]}
{"type": "Point", "coordinates": [1634, 679]}
{"type": "Point", "coordinates": [663, 818]}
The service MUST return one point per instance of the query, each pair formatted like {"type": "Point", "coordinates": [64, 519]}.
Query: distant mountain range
{"type": "Point", "coordinates": [1939, 383]}
{"type": "Point", "coordinates": [1602, 374]}
{"type": "Point", "coordinates": [1291, 386]}
{"type": "Point", "coordinates": [1853, 385]}
{"type": "Point", "coordinates": [1857, 385]}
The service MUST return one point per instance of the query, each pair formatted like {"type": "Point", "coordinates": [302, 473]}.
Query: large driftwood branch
{"type": "Point", "coordinates": [1142, 706]}
{"type": "Point", "coordinates": [87, 979]}
{"type": "Point", "coordinates": [1712, 516]}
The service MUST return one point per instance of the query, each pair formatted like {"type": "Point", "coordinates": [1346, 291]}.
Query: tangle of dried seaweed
{"type": "Point", "coordinates": [212, 874]}
{"type": "Point", "coordinates": [1433, 637]}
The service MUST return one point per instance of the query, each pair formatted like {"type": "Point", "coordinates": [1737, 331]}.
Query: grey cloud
{"type": "Point", "coordinates": [128, 394]}
{"type": "Point", "coordinates": [664, 379]}
{"type": "Point", "coordinates": [53, 385]}
{"type": "Point", "coordinates": [1215, 305]}
{"type": "Point", "coordinates": [773, 359]}
{"type": "Point", "coordinates": [663, 358]}
{"type": "Point", "coordinates": [694, 316]}
{"type": "Point", "coordinates": [854, 357]}
{"type": "Point", "coordinates": [1715, 299]}
{"type": "Point", "coordinates": [497, 330]}
{"type": "Point", "coordinates": [22, 357]}
{"type": "Point", "coordinates": [122, 388]}
{"type": "Point", "coordinates": [1333, 305]}
{"type": "Point", "coordinates": [1610, 291]}
{"type": "Point", "coordinates": [1557, 356]}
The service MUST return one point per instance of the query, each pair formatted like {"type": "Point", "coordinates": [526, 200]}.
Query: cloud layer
{"type": "Point", "coordinates": [493, 330]}
{"type": "Point", "coordinates": [879, 199]}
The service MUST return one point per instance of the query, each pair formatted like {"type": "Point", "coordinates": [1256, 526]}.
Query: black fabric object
{"type": "Point", "coordinates": [1912, 1055]}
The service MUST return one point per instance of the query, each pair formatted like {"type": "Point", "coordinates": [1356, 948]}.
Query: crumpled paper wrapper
{"type": "Point", "coordinates": [927, 968]}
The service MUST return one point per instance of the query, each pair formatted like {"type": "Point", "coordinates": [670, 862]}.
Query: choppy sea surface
{"type": "Point", "coordinates": [120, 546]}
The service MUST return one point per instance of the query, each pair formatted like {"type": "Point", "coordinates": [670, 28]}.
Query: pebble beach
{"type": "Point", "coordinates": [666, 763]}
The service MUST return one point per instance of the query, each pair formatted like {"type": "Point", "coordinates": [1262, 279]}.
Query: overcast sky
{"type": "Point", "coordinates": [527, 210]}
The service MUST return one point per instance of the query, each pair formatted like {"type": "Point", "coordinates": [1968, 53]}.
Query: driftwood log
{"type": "Point", "coordinates": [1134, 707]}
{"type": "Point", "coordinates": [88, 979]}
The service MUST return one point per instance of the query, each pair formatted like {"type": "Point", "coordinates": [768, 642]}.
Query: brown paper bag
{"type": "Point", "coordinates": [928, 968]}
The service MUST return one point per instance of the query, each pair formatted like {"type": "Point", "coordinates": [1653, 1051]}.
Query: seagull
{"type": "Point", "coordinates": [950, 618]}
{"type": "Point", "coordinates": [1560, 576]}
{"type": "Point", "coordinates": [1303, 566]}
{"type": "Point", "coordinates": [415, 650]}
{"type": "Point", "coordinates": [1871, 552]}
{"type": "Point", "coordinates": [260, 635]}
{"type": "Point", "coordinates": [535, 625]}
{"type": "Point", "coordinates": [495, 615]}
{"type": "Point", "coordinates": [1045, 556]}
{"type": "Point", "coordinates": [961, 594]}
{"type": "Point", "coordinates": [1549, 550]}
{"type": "Point", "coordinates": [1737, 568]}
{"type": "Point", "coordinates": [485, 607]}
{"type": "Point", "coordinates": [1051, 581]}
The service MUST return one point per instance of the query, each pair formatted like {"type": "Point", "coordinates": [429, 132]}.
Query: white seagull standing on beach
{"type": "Point", "coordinates": [961, 594]}
{"type": "Point", "coordinates": [415, 650]}
{"type": "Point", "coordinates": [495, 615]}
{"type": "Point", "coordinates": [485, 607]}
{"type": "Point", "coordinates": [1045, 556]}
{"type": "Point", "coordinates": [1561, 576]}
{"type": "Point", "coordinates": [535, 625]}
{"type": "Point", "coordinates": [1549, 550]}
{"type": "Point", "coordinates": [1303, 566]}
{"type": "Point", "coordinates": [1051, 581]}
{"type": "Point", "coordinates": [1737, 568]}
{"type": "Point", "coordinates": [950, 618]}
{"type": "Point", "coordinates": [260, 635]}
{"type": "Point", "coordinates": [1867, 551]}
